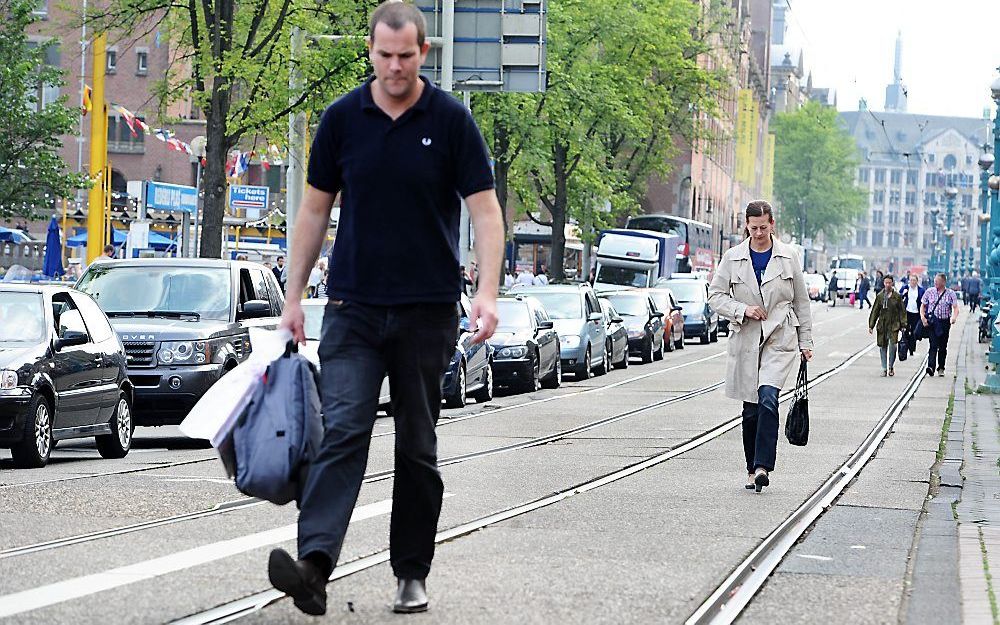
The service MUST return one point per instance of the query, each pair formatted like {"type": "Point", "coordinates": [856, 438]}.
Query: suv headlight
{"type": "Point", "coordinates": [518, 351]}
{"type": "Point", "coordinates": [570, 340]}
{"type": "Point", "coordinates": [8, 380]}
{"type": "Point", "coordinates": [183, 353]}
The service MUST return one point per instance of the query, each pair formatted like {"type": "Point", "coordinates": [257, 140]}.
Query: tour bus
{"type": "Point", "coordinates": [695, 252]}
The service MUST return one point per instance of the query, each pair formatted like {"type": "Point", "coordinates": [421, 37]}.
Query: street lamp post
{"type": "Point", "coordinates": [993, 259]}
{"type": "Point", "coordinates": [932, 262]}
{"type": "Point", "coordinates": [950, 193]}
{"type": "Point", "coordinates": [985, 163]}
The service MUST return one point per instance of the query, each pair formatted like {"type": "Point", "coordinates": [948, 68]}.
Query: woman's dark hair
{"type": "Point", "coordinates": [757, 208]}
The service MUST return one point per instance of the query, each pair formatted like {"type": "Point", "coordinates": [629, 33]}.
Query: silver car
{"type": "Point", "coordinates": [578, 319]}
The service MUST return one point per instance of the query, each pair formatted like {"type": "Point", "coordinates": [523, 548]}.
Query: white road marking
{"type": "Point", "coordinates": [858, 547]}
{"type": "Point", "coordinates": [51, 594]}
{"type": "Point", "coordinates": [812, 557]}
{"type": "Point", "coordinates": [211, 480]}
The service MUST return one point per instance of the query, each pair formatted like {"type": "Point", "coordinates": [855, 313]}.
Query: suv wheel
{"type": "Point", "coordinates": [458, 398]}
{"type": "Point", "coordinates": [583, 368]}
{"type": "Point", "coordinates": [117, 444]}
{"type": "Point", "coordinates": [35, 446]}
{"type": "Point", "coordinates": [485, 394]}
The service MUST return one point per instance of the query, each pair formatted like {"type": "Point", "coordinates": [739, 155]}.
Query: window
{"type": "Point", "coordinates": [112, 60]}
{"type": "Point", "coordinates": [893, 217]}
{"type": "Point", "coordinates": [68, 317]}
{"type": "Point", "coordinates": [879, 176]}
{"type": "Point", "coordinates": [94, 318]}
{"type": "Point", "coordinates": [121, 139]}
{"type": "Point", "coordinates": [877, 217]}
{"type": "Point", "coordinates": [141, 62]}
{"type": "Point", "coordinates": [931, 158]}
{"type": "Point", "coordinates": [861, 238]}
{"type": "Point", "coordinates": [930, 199]}
{"type": "Point", "coordinates": [863, 174]}
{"type": "Point", "coordinates": [927, 219]}
{"type": "Point", "coordinates": [893, 239]}
{"type": "Point", "coordinates": [911, 198]}
{"type": "Point", "coordinates": [931, 179]}
{"type": "Point", "coordinates": [910, 218]}
{"type": "Point", "coordinates": [966, 201]}
{"type": "Point", "coordinates": [877, 238]}
{"type": "Point", "coordinates": [894, 198]}
{"type": "Point", "coordinates": [927, 242]}
{"type": "Point", "coordinates": [896, 176]}
{"type": "Point", "coordinates": [912, 176]}
{"type": "Point", "coordinates": [878, 197]}
{"type": "Point", "coordinates": [45, 94]}
{"type": "Point", "coordinates": [968, 160]}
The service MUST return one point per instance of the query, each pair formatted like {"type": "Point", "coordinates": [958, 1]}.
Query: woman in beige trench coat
{"type": "Point", "coordinates": [758, 287]}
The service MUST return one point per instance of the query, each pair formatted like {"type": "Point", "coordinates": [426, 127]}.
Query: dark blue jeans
{"type": "Point", "coordinates": [359, 345]}
{"type": "Point", "coordinates": [760, 429]}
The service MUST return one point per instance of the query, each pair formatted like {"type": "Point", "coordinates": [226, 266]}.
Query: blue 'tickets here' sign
{"type": "Point", "coordinates": [251, 200]}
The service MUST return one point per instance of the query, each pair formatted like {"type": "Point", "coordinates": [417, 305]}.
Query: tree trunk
{"type": "Point", "coordinates": [557, 257]}
{"type": "Point", "coordinates": [501, 173]}
{"type": "Point", "coordinates": [214, 183]}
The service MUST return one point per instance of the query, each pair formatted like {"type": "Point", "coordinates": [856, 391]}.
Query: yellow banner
{"type": "Point", "coordinates": [767, 182]}
{"type": "Point", "coordinates": [745, 129]}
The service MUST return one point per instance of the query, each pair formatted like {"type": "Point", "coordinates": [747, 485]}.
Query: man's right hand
{"type": "Point", "coordinates": [925, 322]}
{"type": "Point", "coordinates": [294, 320]}
{"type": "Point", "coordinates": [756, 312]}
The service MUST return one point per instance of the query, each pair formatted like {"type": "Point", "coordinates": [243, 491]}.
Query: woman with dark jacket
{"type": "Point", "coordinates": [887, 318]}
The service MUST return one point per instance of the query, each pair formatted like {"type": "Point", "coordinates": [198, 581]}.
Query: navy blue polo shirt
{"type": "Point", "coordinates": [401, 184]}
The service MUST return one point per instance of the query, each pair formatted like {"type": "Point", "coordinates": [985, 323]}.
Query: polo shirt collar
{"type": "Point", "coordinates": [368, 102]}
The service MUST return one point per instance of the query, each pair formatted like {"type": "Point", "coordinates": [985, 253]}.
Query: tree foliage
{"type": "Point", "coordinates": [32, 172]}
{"type": "Point", "coordinates": [814, 164]}
{"type": "Point", "coordinates": [233, 58]}
{"type": "Point", "coordinates": [623, 81]}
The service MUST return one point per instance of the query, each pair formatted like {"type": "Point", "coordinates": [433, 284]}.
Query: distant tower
{"type": "Point", "coordinates": [895, 94]}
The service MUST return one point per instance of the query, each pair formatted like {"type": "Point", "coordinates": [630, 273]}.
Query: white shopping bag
{"type": "Point", "coordinates": [215, 414]}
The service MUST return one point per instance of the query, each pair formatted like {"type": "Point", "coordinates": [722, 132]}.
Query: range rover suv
{"type": "Point", "coordinates": [183, 322]}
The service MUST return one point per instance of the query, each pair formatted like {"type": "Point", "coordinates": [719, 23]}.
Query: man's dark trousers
{"type": "Point", "coordinates": [912, 319]}
{"type": "Point", "coordinates": [359, 344]}
{"type": "Point", "coordinates": [939, 343]}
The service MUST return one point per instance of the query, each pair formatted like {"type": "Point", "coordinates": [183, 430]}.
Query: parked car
{"type": "Point", "coordinates": [643, 323]}
{"type": "Point", "coordinates": [313, 310]}
{"type": "Point", "coordinates": [62, 375]}
{"type": "Point", "coordinates": [816, 286]}
{"type": "Point", "coordinates": [699, 318]}
{"type": "Point", "coordinates": [526, 346]}
{"type": "Point", "coordinates": [673, 318]}
{"type": "Point", "coordinates": [617, 333]}
{"type": "Point", "coordinates": [470, 373]}
{"type": "Point", "coordinates": [183, 322]}
{"type": "Point", "coordinates": [577, 316]}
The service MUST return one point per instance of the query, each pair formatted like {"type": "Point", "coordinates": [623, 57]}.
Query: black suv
{"type": "Point", "coordinates": [62, 374]}
{"type": "Point", "coordinates": [183, 322]}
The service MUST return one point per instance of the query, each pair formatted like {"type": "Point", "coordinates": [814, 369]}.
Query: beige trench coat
{"type": "Point", "coordinates": [762, 352]}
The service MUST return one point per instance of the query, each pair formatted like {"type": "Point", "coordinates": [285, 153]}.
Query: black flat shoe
{"type": "Point", "coordinates": [299, 579]}
{"type": "Point", "coordinates": [411, 597]}
{"type": "Point", "coordinates": [760, 479]}
{"type": "Point", "coordinates": [930, 372]}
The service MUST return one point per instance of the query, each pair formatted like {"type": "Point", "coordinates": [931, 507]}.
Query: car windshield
{"type": "Point", "coordinates": [513, 316]}
{"type": "Point", "coordinates": [314, 322]}
{"type": "Point", "coordinates": [623, 276]}
{"type": "Point", "coordinates": [851, 263]}
{"type": "Point", "coordinates": [144, 289]}
{"type": "Point", "coordinates": [687, 290]}
{"type": "Point", "coordinates": [629, 305]}
{"type": "Point", "coordinates": [560, 305]}
{"type": "Point", "coordinates": [22, 321]}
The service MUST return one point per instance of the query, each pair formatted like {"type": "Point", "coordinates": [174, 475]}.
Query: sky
{"type": "Point", "coordinates": [951, 51]}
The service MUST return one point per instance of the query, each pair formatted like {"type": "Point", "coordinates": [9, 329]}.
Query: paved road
{"type": "Point", "coordinates": [649, 545]}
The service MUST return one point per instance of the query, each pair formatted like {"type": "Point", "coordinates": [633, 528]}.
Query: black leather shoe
{"type": "Point", "coordinates": [411, 596]}
{"type": "Point", "coordinates": [299, 579]}
{"type": "Point", "coordinates": [930, 372]}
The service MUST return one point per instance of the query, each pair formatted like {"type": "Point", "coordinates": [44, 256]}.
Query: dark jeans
{"type": "Point", "coordinates": [359, 345]}
{"type": "Point", "coordinates": [760, 429]}
{"type": "Point", "coordinates": [939, 344]}
{"type": "Point", "coordinates": [973, 301]}
{"type": "Point", "coordinates": [912, 320]}
{"type": "Point", "coordinates": [863, 299]}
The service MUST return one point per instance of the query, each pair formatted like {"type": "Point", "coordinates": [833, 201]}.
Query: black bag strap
{"type": "Point", "coordinates": [802, 381]}
{"type": "Point", "coordinates": [291, 347]}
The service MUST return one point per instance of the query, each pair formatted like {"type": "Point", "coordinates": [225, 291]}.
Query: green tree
{"type": "Point", "coordinates": [233, 60]}
{"type": "Point", "coordinates": [622, 81]}
{"type": "Point", "coordinates": [815, 159]}
{"type": "Point", "coordinates": [31, 169]}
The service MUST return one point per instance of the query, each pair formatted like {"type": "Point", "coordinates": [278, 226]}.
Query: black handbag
{"type": "Point", "coordinates": [797, 423]}
{"type": "Point", "coordinates": [903, 347]}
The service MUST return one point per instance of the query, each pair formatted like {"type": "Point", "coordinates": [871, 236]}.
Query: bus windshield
{"type": "Point", "coordinates": [659, 224]}
{"type": "Point", "coordinates": [623, 276]}
{"type": "Point", "coordinates": [850, 263]}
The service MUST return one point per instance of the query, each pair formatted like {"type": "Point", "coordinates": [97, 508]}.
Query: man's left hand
{"type": "Point", "coordinates": [483, 315]}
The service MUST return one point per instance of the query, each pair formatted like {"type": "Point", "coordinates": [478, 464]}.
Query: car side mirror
{"type": "Point", "coordinates": [658, 315]}
{"type": "Point", "coordinates": [71, 338]}
{"type": "Point", "coordinates": [677, 308]}
{"type": "Point", "coordinates": [595, 316]}
{"type": "Point", "coordinates": [546, 325]}
{"type": "Point", "coordinates": [617, 320]}
{"type": "Point", "coordinates": [254, 309]}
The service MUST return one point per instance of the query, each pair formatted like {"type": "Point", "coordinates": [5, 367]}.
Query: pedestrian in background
{"type": "Point", "coordinates": [912, 294]}
{"type": "Point", "coordinates": [864, 285]}
{"type": "Point", "coordinates": [541, 278]}
{"type": "Point", "coordinates": [963, 284]}
{"type": "Point", "coordinates": [878, 284]}
{"type": "Point", "coordinates": [390, 310]}
{"type": "Point", "coordinates": [938, 312]}
{"type": "Point", "coordinates": [975, 289]}
{"type": "Point", "coordinates": [759, 288]}
{"type": "Point", "coordinates": [525, 277]}
{"type": "Point", "coordinates": [280, 272]}
{"type": "Point", "coordinates": [508, 278]}
{"type": "Point", "coordinates": [888, 318]}
{"type": "Point", "coordinates": [834, 289]}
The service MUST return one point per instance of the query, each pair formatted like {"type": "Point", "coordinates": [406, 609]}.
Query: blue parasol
{"type": "Point", "coordinates": [52, 266]}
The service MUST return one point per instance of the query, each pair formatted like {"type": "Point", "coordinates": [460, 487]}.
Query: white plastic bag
{"type": "Point", "coordinates": [215, 414]}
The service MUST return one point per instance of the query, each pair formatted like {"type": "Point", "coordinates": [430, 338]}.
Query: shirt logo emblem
{"type": "Point", "coordinates": [426, 141]}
